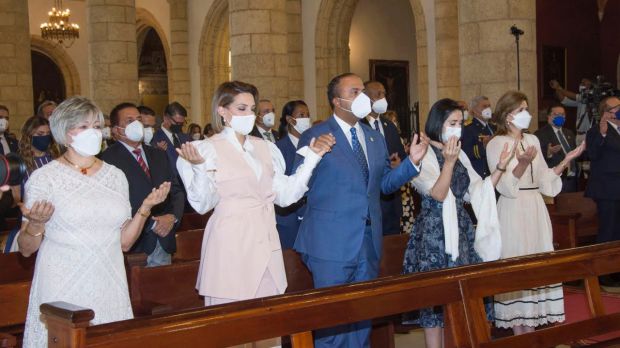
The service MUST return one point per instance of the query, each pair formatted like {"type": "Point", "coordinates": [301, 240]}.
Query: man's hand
{"type": "Point", "coordinates": [552, 150]}
{"type": "Point", "coordinates": [417, 150]}
{"type": "Point", "coordinates": [484, 139]}
{"type": "Point", "coordinates": [323, 144]}
{"type": "Point", "coordinates": [162, 145]}
{"type": "Point", "coordinates": [555, 84]}
{"type": "Point", "coordinates": [164, 224]}
{"type": "Point", "coordinates": [394, 160]}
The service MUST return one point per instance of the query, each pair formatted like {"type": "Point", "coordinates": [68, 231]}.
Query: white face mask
{"type": "Point", "coordinates": [196, 136]}
{"type": "Point", "coordinates": [243, 124]}
{"type": "Point", "coordinates": [87, 142]}
{"type": "Point", "coordinates": [302, 124]}
{"type": "Point", "coordinates": [269, 120]}
{"type": "Point", "coordinates": [106, 133]}
{"type": "Point", "coordinates": [380, 106]}
{"type": "Point", "coordinates": [134, 131]}
{"type": "Point", "coordinates": [522, 120]}
{"type": "Point", "coordinates": [4, 124]}
{"type": "Point", "coordinates": [487, 113]}
{"type": "Point", "coordinates": [465, 115]}
{"type": "Point", "coordinates": [360, 107]}
{"type": "Point", "coordinates": [148, 135]}
{"type": "Point", "coordinates": [451, 132]}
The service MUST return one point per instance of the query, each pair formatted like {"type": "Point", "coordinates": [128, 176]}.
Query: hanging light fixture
{"type": "Point", "coordinates": [58, 28]}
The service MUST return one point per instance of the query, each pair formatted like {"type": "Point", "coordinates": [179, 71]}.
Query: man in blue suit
{"type": "Point", "coordinates": [391, 204]}
{"type": "Point", "coordinates": [170, 136]}
{"type": "Point", "coordinates": [341, 233]}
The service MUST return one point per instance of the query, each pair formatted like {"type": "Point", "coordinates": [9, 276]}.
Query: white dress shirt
{"type": "Point", "coordinates": [262, 132]}
{"type": "Point", "coordinates": [168, 134]}
{"type": "Point", "coordinates": [294, 139]}
{"type": "Point", "coordinates": [199, 180]}
{"type": "Point", "coordinates": [346, 128]}
{"type": "Point", "coordinates": [5, 144]}
{"type": "Point", "coordinates": [371, 121]}
{"type": "Point", "coordinates": [131, 148]}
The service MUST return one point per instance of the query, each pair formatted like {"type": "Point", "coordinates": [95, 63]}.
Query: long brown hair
{"type": "Point", "coordinates": [510, 101]}
{"type": "Point", "coordinates": [25, 143]}
{"type": "Point", "coordinates": [225, 95]}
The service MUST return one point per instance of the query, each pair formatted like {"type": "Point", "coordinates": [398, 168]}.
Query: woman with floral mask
{"type": "Point", "coordinates": [77, 216]}
{"type": "Point", "coordinates": [294, 121]}
{"type": "Point", "coordinates": [241, 177]}
{"type": "Point", "coordinates": [524, 220]}
{"type": "Point", "coordinates": [443, 235]}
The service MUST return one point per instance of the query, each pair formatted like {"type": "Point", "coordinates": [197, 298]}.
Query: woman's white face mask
{"type": "Point", "coordinates": [87, 142]}
{"type": "Point", "coordinates": [522, 120]}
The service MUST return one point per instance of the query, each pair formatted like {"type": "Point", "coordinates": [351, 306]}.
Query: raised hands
{"type": "Point", "coordinates": [507, 154]}
{"type": "Point", "coordinates": [526, 157]}
{"type": "Point", "coordinates": [188, 152]}
{"type": "Point", "coordinates": [418, 148]}
{"type": "Point", "coordinates": [576, 152]}
{"type": "Point", "coordinates": [323, 144]}
{"type": "Point", "coordinates": [39, 213]}
{"type": "Point", "coordinates": [157, 195]}
{"type": "Point", "coordinates": [451, 150]}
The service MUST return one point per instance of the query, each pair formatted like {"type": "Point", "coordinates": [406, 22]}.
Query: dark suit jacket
{"type": "Point", "coordinates": [13, 144]}
{"type": "Point", "coordinates": [391, 204]}
{"type": "Point", "coordinates": [255, 132]}
{"type": "Point", "coordinates": [140, 185]}
{"type": "Point", "coordinates": [474, 147]}
{"type": "Point", "coordinates": [339, 203]}
{"type": "Point", "coordinates": [170, 150]}
{"type": "Point", "coordinates": [547, 136]}
{"type": "Point", "coordinates": [604, 153]}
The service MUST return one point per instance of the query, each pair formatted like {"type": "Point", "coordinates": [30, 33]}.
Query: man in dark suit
{"type": "Point", "coordinates": [8, 143]}
{"type": "Point", "coordinates": [555, 142]}
{"type": "Point", "coordinates": [265, 121]}
{"type": "Point", "coordinates": [603, 146]}
{"type": "Point", "coordinates": [391, 204]}
{"type": "Point", "coordinates": [146, 168]}
{"type": "Point", "coordinates": [340, 235]}
{"type": "Point", "coordinates": [170, 136]}
{"type": "Point", "coordinates": [477, 134]}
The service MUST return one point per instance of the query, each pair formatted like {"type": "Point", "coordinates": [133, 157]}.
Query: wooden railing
{"type": "Point", "coordinates": [461, 289]}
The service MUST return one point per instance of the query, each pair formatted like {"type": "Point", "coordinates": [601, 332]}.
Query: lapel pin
{"type": "Point", "coordinates": [371, 139]}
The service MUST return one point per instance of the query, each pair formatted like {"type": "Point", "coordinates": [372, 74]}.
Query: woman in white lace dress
{"type": "Point", "coordinates": [523, 217]}
{"type": "Point", "coordinates": [77, 216]}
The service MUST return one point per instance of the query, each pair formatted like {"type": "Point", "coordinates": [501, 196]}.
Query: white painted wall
{"type": "Point", "coordinates": [383, 30]}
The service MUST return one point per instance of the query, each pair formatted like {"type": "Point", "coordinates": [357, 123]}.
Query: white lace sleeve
{"type": "Point", "coordinates": [290, 189]}
{"type": "Point", "coordinates": [38, 187]}
{"type": "Point", "coordinates": [123, 189]}
{"type": "Point", "coordinates": [199, 180]}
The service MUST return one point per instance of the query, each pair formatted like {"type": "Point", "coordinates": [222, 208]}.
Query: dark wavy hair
{"type": "Point", "coordinates": [25, 142]}
{"type": "Point", "coordinates": [438, 115]}
{"type": "Point", "coordinates": [287, 110]}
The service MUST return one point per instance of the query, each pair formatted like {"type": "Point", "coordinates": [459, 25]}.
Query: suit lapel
{"type": "Point", "coordinates": [373, 161]}
{"type": "Point", "coordinates": [132, 163]}
{"type": "Point", "coordinates": [342, 145]}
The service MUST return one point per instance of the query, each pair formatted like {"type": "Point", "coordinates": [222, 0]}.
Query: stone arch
{"type": "Point", "coordinates": [332, 47]}
{"type": "Point", "coordinates": [62, 59]}
{"type": "Point", "coordinates": [145, 21]}
{"type": "Point", "coordinates": [213, 54]}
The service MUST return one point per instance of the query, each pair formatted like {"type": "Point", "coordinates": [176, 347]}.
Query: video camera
{"type": "Point", "coordinates": [12, 169]}
{"type": "Point", "coordinates": [599, 91]}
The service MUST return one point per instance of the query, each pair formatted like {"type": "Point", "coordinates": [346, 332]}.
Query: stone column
{"type": "Point", "coordinates": [488, 51]}
{"type": "Point", "coordinates": [447, 48]}
{"type": "Point", "coordinates": [15, 62]}
{"type": "Point", "coordinates": [258, 40]}
{"type": "Point", "coordinates": [180, 85]}
{"type": "Point", "coordinates": [295, 50]}
{"type": "Point", "coordinates": [112, 52]}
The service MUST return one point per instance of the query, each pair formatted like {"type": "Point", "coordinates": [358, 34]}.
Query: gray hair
{"type": "Point", "coordinates": [43, 105]}
{"type": "Point", "coordinates": [70, 113]}
{"type": "Point", "coordinates": [476, 100]}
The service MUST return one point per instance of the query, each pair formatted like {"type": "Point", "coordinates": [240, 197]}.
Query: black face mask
{"type": "Point", "coordinates": [41, 142]}
{"type": "Point", "coordinates": [176, 128]}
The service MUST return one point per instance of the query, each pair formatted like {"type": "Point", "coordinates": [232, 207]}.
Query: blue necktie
{"type": "Point", "coordinates": [377, 126]}
{"type": "Point", "coordinates": [359, 153]}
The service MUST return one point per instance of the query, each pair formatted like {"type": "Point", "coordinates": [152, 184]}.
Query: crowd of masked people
{"type": "Point", "coordinates": [99, 186]}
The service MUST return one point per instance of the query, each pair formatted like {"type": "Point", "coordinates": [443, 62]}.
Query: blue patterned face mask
{"type": "Point", "coordinates": [559, 120]}
{"type": "Point", "coordinates": [618, 114]}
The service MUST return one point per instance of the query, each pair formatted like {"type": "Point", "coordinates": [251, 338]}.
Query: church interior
{"type": "Point", "coordinates": [161, 53]}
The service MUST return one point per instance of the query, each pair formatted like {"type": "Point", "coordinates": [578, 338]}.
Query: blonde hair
{"type": "Point", "coordinates": [225, 95]}
{"type": "Point", "coordinates": [69, 114]}
{"type": "Point", "coordinates": [510, 101]}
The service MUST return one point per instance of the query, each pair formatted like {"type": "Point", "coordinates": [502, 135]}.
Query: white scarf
{"type": "Point", "coordinates": [480, 193]}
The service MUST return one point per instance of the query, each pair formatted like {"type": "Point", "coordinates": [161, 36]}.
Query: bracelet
{"type": "Point", "coordinates": [144, 214]}
{"type": "Point", "coordinates": [503, 170]}
{"type": "Point", "coordinates": [34, 234]}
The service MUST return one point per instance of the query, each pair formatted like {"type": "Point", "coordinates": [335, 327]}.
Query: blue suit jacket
{"type": "Point", "coordinates": [474, 148]}
{"type": "Point", "coordinates": [170, 150]}
{"type": "Point", "coordinates": [288, 219]}
{"type": "Point", "coordinates": [338, 200]}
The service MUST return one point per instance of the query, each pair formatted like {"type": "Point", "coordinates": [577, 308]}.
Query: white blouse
{"type": "Point", "coordinates": [199, 180]}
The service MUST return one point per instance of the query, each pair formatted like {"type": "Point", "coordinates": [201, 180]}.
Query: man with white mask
{"type": "Point", "coordinates": [265, 121]}
{"type": "Point", "coordinates": [340, 235]}
{"type": "Point", "coordinates": [146, 168]}
{"type": "Point", "coordinates": [149, 120]}
{"type": "Point", "coordinates": [391, 204]}
{"type": "Point", "coordinates": [477, 134]}
{"type": "Point", "coordinates": [8, 144]}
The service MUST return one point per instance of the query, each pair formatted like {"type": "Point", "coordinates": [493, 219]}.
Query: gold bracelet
{"type": "Point", "coordinates": [35, 235]}
{"type": "Point", "coordinates": [144, 214]}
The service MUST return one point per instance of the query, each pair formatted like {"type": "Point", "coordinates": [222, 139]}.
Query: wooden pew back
{"type": "Point", "coordinates": [15, 267]}
{"type": "Point", "coordinates": [14, 302]}
{"type": "Point", "coordinates": [189, 244]}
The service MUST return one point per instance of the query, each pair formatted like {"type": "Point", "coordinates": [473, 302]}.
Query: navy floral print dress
{"type": "Point", "coordinates": [426, 248]}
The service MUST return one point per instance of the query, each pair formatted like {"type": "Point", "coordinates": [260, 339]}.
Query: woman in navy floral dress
{"type": "Point", "coordinates": [443, 234]}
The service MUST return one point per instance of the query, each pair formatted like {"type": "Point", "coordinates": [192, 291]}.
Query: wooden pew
{"type": "Point", "coordinates": [461, 289]}
{"type": "Point", "coordinates": [192, 221]}
{"type": "Point", "coordinates": [574, 220]}
{"type": "Point", "coordinates": [13, 308]}
{"type": "Point", "coordinates": [189, 244]}
{"type": "Point", "coordinates": [15, 267]}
